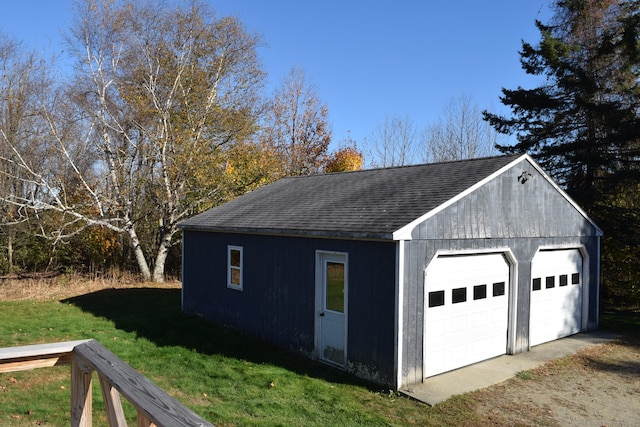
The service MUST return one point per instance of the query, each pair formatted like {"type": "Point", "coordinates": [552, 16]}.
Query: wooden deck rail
{"type": "Point", "coordinates": [154, 406]}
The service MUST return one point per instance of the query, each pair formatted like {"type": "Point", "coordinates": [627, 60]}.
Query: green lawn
{"type": "Point", "coordinates": [226, 377]}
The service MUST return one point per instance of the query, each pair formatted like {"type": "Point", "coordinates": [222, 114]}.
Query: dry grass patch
{"type": "Point", "coordinates": [69, 285]}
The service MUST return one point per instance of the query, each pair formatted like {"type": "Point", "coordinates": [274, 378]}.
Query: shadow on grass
{"type": "Point", "coordinates": [626, 323]}
{"type": "Point", "coordinates": [155, 314]}
{"type": "Point", "coordinates": [621, 321]}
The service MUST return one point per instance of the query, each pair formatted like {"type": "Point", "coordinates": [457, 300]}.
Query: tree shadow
{"type": "Point", "coordinates": [625, 367]}
{"type": "Point", "coordinates": [155, 314]}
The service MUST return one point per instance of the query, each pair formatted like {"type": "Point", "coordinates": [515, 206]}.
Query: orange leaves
{"type": "Point", "coordinates": [344, 160]}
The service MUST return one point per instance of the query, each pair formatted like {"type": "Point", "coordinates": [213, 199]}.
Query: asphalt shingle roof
{"type": "Point", "coordinates": [369, 204]}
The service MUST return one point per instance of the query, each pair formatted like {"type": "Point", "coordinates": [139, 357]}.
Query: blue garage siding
{"type": "Point", "coordinates": [277, 302]}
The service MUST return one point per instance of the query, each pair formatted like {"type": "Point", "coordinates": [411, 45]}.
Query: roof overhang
{"type": "Point", "coordinates": [320, 234]}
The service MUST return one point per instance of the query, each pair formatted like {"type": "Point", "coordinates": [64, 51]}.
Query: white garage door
{"type": "Point", "coordinates": [466, 311]}
{"type": "Point", "coordinates": [556, 295]}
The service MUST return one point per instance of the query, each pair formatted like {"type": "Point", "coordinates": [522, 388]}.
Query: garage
{"type": "Point", "coordinates": [466, 310]}
{"type": "Point", "coordinates": [556, 295]}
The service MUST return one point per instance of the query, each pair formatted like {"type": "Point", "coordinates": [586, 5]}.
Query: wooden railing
{"type": "Point", "coordinates": [154, 406]}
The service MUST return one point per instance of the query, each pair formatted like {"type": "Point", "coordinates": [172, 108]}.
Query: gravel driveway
{"type": "Point", "coordinates": [597, 386]}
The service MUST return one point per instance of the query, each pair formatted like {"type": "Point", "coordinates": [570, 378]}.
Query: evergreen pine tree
{"type": "Point", "coordinates": [583, 123]}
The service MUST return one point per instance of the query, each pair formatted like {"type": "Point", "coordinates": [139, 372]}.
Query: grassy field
{"type": "Point", "coordinates": [226, 377]}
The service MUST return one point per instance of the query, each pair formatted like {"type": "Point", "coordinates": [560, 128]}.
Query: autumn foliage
{"type": "Point", "coordinates": [345, 159]}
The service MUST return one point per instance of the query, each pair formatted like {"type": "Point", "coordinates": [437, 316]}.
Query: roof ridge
{"type": "Point", "coordinates": [413, 165]}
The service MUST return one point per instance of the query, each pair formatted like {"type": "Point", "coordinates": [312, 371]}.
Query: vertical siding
{"type": "Point", "coordinates": [418, 254]}
{"type": "Point", "coordinates": [278, 300]}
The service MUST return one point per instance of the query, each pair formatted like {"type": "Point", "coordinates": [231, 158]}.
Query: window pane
{"type": "Point", "coordinates": [235, 276]}
{"type": "Point", "coordinates": [479, 292]}
{"type": "Point", "coordinates": [563, 280]}
{"type": "Point", "coordinates": [550, 282]}
{"type": "Point", "coordinates": [458, 295]}
{"type": "Point", "coordinates": [234, 267]}
{"type": "Point", "coordinates": [234, 258]}
{"type": "Point", "coordinates": [335, 286]}
{"type": "Point", "coordinates": [498, 289]}
{"type": "Point", "coordinates": [436, 298]}
{"type": "Point", "coordinates": [537, 284]}
{"type": "Point", "coordinates": [575, 278]}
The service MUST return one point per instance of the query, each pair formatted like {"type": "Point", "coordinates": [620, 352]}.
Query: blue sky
{"type": "Point", "coordinates": [367, 59]}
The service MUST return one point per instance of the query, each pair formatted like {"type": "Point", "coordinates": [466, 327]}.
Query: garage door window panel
{"type": "Point", "coordinates": [436, 299]}
{"type": "Point", "coordinates": [564, 280]}
{"type": "Point", "coordinates": [479, 292]}
{"type": "Point", "coordinates": [575, 279]}
{"type": "Point", "coordinates": [498, 289]}
{"type": "Point", "coordinates": [550, 282]}
{"type": "Point", "coordinates": [537, 284]}
{"type": "Point", "coordinates": [458, 295]}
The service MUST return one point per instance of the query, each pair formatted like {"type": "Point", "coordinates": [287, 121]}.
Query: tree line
{"type": "Point", "coordinates": [163, 115]}
{"type": "Point", "coordinates": [160, 116]}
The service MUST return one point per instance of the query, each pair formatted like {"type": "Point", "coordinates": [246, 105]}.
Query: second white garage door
{"type": "Point", "coordinates": [556, 295]}
{"type": "Point", "coordinates": [466, 311]}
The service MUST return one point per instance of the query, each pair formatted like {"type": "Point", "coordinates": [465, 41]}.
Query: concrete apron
{"type": "Point", "coordinates": [441, 387]}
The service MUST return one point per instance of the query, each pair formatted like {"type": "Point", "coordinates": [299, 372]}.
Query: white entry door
{"type": "Point", "coordinates": [332, 291]}
{"type": "Point", "coordinates": [466, 311]}
{"type": "Point", "coordinates": [556, 295]}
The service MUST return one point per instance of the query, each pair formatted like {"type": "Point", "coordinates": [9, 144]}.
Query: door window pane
{"type": "Point", "coordinates": [575, 278]}
{"type": "Point", "coordinates": [335, 286]}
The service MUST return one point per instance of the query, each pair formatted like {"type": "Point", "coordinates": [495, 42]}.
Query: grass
{"type": "Point", "coordinates": [626, 322]}
{"type": "Point", "coordinates": [227, 377]}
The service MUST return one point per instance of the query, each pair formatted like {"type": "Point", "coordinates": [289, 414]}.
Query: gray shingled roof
{"type": "Point", "coordinates": [367, 204]}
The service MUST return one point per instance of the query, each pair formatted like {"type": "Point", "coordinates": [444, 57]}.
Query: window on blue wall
{"type": "Point", "coordinates": [234, 267]}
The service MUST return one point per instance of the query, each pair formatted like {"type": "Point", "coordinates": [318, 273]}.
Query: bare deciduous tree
{"type": "Point", "coordinates": [140, 136]}
{"type": "Point", "coordinates": [393, 143]}
{"type": "Point", "coordinates": [297, 126]}
{"type": "Point", "coordinates": [459, 133]}
{"type": "Point", "coordinates": [21, 136]}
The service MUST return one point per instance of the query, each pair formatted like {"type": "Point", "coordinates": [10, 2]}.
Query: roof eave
{"type": "Point", "coordinates": [327, 234]}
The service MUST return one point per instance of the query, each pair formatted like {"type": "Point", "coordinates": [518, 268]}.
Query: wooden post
{"type": "Point", "coordinates": [81, 396]}
{"type": "Point", "coordinates": [143, 421]}
{"type": "Point", "coordinates": [112, 402]}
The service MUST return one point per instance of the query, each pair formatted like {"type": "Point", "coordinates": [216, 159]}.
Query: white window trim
{"type": "Point", "coordinates": [230, 268]}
